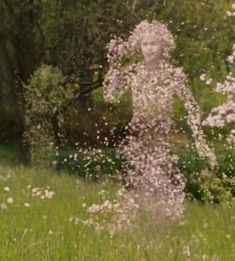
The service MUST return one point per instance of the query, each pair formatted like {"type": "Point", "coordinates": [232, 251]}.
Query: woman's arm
{"type": "Point", "coordinates": [116, 82]}
{"type": "Point", "coordinates": [194, 117]}
{"type": "Point", "coordinates": [118, 78]}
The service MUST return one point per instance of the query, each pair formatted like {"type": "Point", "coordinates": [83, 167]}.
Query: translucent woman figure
{"type": "Point", "coordinates": [151, 164]}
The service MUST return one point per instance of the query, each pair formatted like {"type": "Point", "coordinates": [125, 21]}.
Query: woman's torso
{"type": "Point", "coordinates": [152, 96]}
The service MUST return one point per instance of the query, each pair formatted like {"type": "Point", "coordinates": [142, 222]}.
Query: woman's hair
{"type": "Point", "coordinates": [158, 30]}
{"type": "Point", "coordinates": [118, 48]}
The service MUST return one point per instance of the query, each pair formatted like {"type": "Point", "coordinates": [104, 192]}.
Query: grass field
{"type": "Point", "coordinates": [40, 213]}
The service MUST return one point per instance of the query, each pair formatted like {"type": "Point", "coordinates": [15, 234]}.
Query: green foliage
{"type": "Point", "coordinates": [203, 184]}
{"type": "Point", "coordinates": [78, 31]}
{"type": "Point", "coordinates": [226, 157]}
{"type": "Point", "coordinates": [45, 92]}
{"type": "Point", "coordinates": [92, 166]}
{"type": "Point", "coordinates": [217, 190]}
{"type": "Point", "coordinates": [72, 36]}
{"type": "Point", "coordinates": [98, 122]}
{"type": "Point", "coordinates": [44, 95]}
{"type": "Point", "coordinates": [9, 154]}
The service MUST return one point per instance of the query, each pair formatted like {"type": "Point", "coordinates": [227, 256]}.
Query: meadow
{"type": "Point", "coordinates": [43, 216]}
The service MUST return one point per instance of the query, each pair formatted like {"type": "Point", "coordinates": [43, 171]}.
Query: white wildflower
{"type": "Point", "coordinates": [10, 200]}
{"type": "Point", "coordinates": [3, 206]}
{"type": "Point", "coordinates": [209, 81]}
{"type": "Point", "coordinates": [34, 190]}
{"type": "Point", "coordinates": [49, 194]}
{"type": "Point", "coordinates": [7, 189]}
{"type": "Point", "coordinates": [27, 205]}
{"type": "Point", "coordinates": [203, 77]}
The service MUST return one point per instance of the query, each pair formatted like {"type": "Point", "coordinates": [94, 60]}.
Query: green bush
{"type": "Point", "coordinates": [204, 184]}
{"type": "Point", "coordinates": [94, 166]}
{"type": "Point", "coordinates": [45, 94]}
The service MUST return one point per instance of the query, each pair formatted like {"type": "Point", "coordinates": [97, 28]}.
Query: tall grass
{"type": "Point", "coordinates": [35, 228]}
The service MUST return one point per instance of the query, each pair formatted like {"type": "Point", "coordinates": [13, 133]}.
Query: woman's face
{"type": "Point", "coordinates": [151, 48]}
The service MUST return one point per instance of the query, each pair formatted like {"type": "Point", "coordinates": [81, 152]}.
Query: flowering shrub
{"type": "Point", "coordinates": [224, 115]}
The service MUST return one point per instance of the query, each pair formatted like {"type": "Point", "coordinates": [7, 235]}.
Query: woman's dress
{"type": "Point", "coordinates": [152, 171]}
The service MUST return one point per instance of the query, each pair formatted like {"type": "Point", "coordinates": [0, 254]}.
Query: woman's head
{"type": "Point", "coordinates": [151, 47]}
{"type": "Point", "coordinates": [153, 39]}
